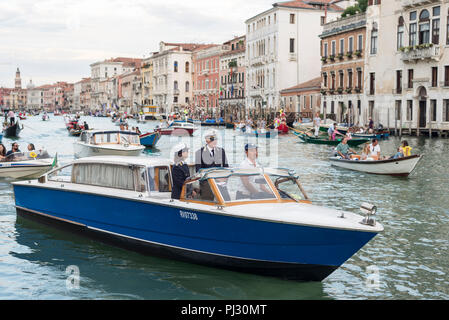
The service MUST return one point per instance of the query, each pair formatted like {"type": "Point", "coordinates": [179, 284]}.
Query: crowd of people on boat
{"type": "Point", "coordinates": [14, 149]}
{"type": "Point", "coordinates": [371, 151]}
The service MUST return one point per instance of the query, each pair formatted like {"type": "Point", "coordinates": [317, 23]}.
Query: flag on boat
{"type": "Point", "coordinates": [55, 161]}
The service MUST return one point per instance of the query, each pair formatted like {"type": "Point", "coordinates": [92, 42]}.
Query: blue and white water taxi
{"type": "Point", "coordinates": [257, 220]}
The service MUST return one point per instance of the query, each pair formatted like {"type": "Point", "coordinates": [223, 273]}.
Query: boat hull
{"type": "Point", "coordinates": [20, 171]}
{"type": "Point", "coordinates": [83, 150]}
{"type": "Point", "coordinates": [295, 252]}
{"type": "Point", "coordinates": [150, 139]}
{"type": "Point", "coordinates": [395, 167]}
{"type": "Point", "coordinates": [352, 142]}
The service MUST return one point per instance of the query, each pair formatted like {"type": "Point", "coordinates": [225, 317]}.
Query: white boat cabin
{"type": "Point", "coordinates": [97, 137]}
{"type": "Point", "coordinates": [151, 178]}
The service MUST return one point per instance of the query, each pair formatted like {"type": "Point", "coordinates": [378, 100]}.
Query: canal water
{"type": "Point", "coordinates": [408, 260]}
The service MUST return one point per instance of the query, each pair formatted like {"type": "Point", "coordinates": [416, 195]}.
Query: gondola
{"type": "Point", "coordinates": [12, 130]}
{"type": "Point", "coordinates": [352, 142]}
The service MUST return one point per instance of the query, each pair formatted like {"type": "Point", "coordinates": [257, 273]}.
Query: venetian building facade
{"type": "Point", "coordinates": [129, 93]}
{"type": "Point", "coordinates": [146, 74]}
{"type": "Point", "coordinates": [106, 71]}
{"type": "Point", "coordinates": [35, 97]}
{"type": "Point", "coordinates": [232, 78]}
{"type": "Point", "coordinates": [303, 99]}
{"type": "Point", "coordinates": [282, 43]}
{"type": "Point", "coordinates": [342, 72]}
{"type": "Point", "coordinates": [412, 65]}
{"type": "Point", "coordinates": [172, 76]}
{"type": "Point", "coordinates": [206, 73]}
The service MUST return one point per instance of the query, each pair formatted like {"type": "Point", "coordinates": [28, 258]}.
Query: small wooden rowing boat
{"type": "Point", "coordinates": [396, 167]}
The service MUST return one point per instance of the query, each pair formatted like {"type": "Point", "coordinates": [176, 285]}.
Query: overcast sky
{"type": "Point", "coordinates": [51, 40]}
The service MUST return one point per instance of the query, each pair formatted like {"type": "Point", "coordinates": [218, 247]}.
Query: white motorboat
{"type": "Point", "coordinates": [111, 142]}
{"type": "Point", "coordinates": [26, 164]}
{"type": "Point", "coordinates": [396, 167]}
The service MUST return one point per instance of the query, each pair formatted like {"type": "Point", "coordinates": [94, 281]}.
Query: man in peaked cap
{"type": "Point", "coordinates": [210, 155]}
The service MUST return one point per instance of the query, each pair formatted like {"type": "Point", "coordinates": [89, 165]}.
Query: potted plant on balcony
{"type": "Point", "coordinates": [349, 54]}
{"type": "Point", "coordinates": [324, 59]}
{"type": "Point", "coordinates": [332, 58]}
{"type": "Point", "coordinates": [340, 56]}
{"type": "Point", "coordinates": [348, 90]}
{"type": "Point", "coordinates": [323, 91]}
{"type": "Point", "coordinates": [357, 89]}
{"type": "Point", "coordinates": [358, 53]}
{"type": "Point", "coordinates": [340, 90]}
{"type": "Point", "coordinates": [331, 91]}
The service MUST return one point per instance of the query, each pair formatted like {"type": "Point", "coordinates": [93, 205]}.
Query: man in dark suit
{"type": "Point", "coordinates": [210, 156]}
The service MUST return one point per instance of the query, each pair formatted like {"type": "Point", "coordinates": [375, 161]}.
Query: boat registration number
{"type": "Point", "coordinates": [188, 215]}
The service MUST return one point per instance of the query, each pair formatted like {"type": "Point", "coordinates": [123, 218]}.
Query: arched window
{"type": "Point", "coordinates": [187, 86]}
{"type": "Point", "coordinates": [175, 85]}
{"type": "Point", "coordinates": [175, 66]}
{"type": "Point", "coordinates": [400, 37]}
{"type": "Point", "coordinates": [187, 67]}
{"type": "Point", "coordinates": [424, 27]}
{"type": "Point", "coordinates": [424, 15]}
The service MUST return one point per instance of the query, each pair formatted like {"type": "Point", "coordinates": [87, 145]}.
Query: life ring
{"type": "Point", "coordinates": [33, 154]}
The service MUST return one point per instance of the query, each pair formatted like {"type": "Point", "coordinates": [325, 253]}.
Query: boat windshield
{"type": "Point", "coordinates": [26, 156]}
{"type": "Point", "coordinates": [244, 188]}
{"type": "Point", "coordinates": [288, 188]}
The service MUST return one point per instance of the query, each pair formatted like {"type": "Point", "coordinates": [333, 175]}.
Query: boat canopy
{"type": "Point", "coordinates": [110, 136]}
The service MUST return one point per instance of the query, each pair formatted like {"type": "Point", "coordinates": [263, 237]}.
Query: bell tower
{"type": "Point", "coordinates": [18, 80]}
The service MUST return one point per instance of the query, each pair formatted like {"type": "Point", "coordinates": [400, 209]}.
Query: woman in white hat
{"type": "Point", "coordinates": [180, 171]}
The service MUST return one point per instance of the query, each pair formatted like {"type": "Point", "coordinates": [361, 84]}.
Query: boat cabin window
{"type": "Point", "coordinates": [129, 138]}
{"type": "Point", "coordinates": [115, 138]}
{"type": "Point", "coordinates": [110, 175]}
{"type": "Point", "coordinates": [288, 188]}
{"type": "Point", "coordinates": [159, 179]}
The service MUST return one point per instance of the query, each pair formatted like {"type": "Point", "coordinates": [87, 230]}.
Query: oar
{"type": "Point", "coordinates": [29, 127]}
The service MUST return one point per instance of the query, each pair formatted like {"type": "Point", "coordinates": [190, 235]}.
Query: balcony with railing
{"type": "Point", "coordinates": [408, 4]}
{"type": "Point", "coordinates": [421, 52]}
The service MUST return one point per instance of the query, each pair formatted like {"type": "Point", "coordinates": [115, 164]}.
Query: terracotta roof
{"type": "Point", "coordinates": [314, 84]}
{"type": "Point", "coordinates": [309, 4]}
